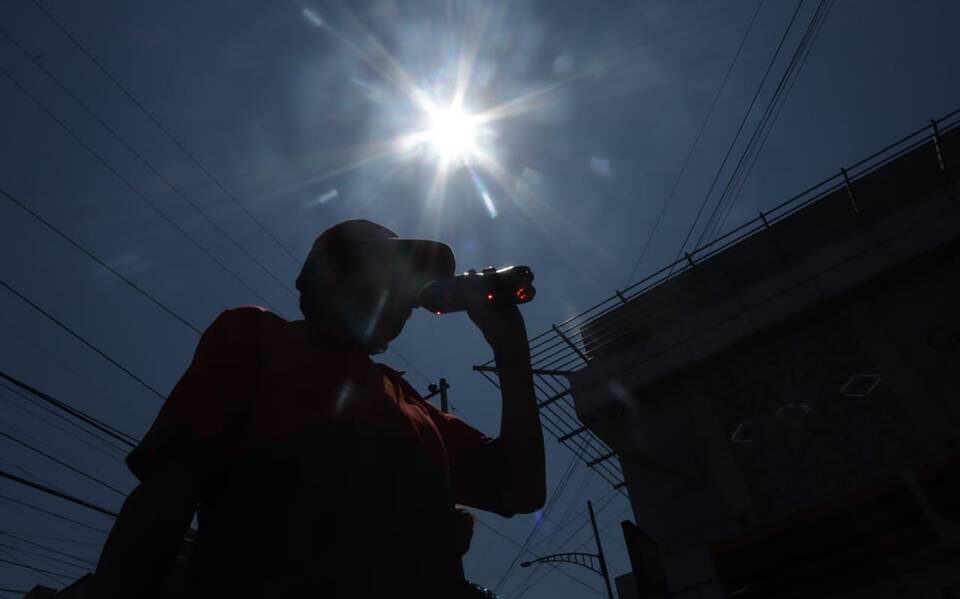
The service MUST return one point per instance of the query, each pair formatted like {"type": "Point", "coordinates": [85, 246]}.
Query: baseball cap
{"type": "Point", "coordinates": [432, 259]}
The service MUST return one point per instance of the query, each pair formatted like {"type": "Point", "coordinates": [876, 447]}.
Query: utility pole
{"type": "Point", "coordinates": [444, 406]}
{"type": "Point", "coordinates": [442, 391]}
{"type": "Point", "coordinates": [603, 561]}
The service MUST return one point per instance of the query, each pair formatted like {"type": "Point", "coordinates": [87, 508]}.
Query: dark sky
{"type": "Point", "coordinates": [288, 105]}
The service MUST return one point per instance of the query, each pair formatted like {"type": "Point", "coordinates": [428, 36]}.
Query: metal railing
{"type": "Point", "coordinates": [562, 350]}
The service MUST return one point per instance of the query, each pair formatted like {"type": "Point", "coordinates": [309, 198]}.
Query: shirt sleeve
{"type": "Point", "coordinates": [476, 463]}
{"type": "Point", "coordinates": [199, 424]}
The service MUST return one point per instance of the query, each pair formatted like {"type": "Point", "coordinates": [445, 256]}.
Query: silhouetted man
{"type": "Point", "coordinates": [313, 471]}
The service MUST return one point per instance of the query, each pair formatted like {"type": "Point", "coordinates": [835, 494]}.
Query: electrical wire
{"type": "Point", "coordinates": [46, 547]}
{"type": "Point", "coordinates": [696, 141]}
{"type": "Point", "coordinates": [396, 352]}
{"type": "Point", "coordinates": [584, 514]}
{"type": "Point", "coordinates": [61, 495]}
{"type": "Point", "coordinates": [30, 506]}
{"type": "Point", "coordinates": [58, 539]}
{"type": "Point", "coordinates": [39, 570]}
{"type": "Point", "coordinates": [56, 426]}
{"type": "Point", "coordinates": [523, 547]}
{"type": "Point", "coordinates": [17, 562]}
{"type": "Point", "coordinates": [770, 115]}
{"type": "Point", "coordinates": [25, 472]}
{"type": "Point", "coordinates": [743, 122]}
{"type": "Point", "coordinates": [114, 433]}
{"type": "Point", "coordinates": [726, 196]}
{"type": "Point", "coordinates": [103, 69]}
{"type": "Point", "coordinates": [131, 187]}
{"type": "Point", "coordinates": [561, 486]}
{"type": "Point", "coordinates": [58, 560]}
{"type": "Point", "coordinates": [103, 264]}
{"type": "Point", "coordinates": [62, 463]}
{"type": "Point", "coordinates": [40, 443]}
{"type": "Point", "coordinates": [145, 162]}
{"type": "Point", "coordinates": [83, 340]}
{"type": "Point", "coordinates": [814, 28]}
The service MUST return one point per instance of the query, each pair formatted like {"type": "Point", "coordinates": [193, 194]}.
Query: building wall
{"type": "Point", "coordinates": [759, 395]}
{"type": "Point", "coordinates": [843, 396]}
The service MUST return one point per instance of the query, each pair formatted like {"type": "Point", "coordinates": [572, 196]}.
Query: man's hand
{"type": "Point", "coordinates": [524, 486]}
{"type": "Point", "coordinates": [501, 323]}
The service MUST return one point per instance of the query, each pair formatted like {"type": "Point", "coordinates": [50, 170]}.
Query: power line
{"type": "Point", "coordinates": [20, 468]}
{"type": "Point", "coordinates": [30, 506]}
{"type": "Point", "coordinates": [47, 557]}
{"type": "Point", "coordinates": [411, 365]}
{"type": "Point", "coordinates": [55, 493]}
{"type": "Point", "coordinates": [58, 539]}
{"type": "Point", "coordinates": [140, 157]}
{"type": "Point", "coordinates": [561, 486]}
{"type": "Point", "coordinates": [40, 443]}
{"type": "Point", "coordinates": [743, 122]}
{"type": "Point", "coordinates": [726, 196]}
{"type": "Point", "coordinates": [131, 187]}
{"type": "Point", "coordinates": [40, 570]}
{"type": "Point", "coordinates": [75, 244]}
{"type": "Point", "coordinates": [770, 115]}
{"type": "Point", "coordinates": [576, 496]}
{"type": "Point", "coordinates": [165, 131]}
{"type": "Point", "coordinates": [115, 433]}
{"type": "Point", "coordinates": [45, 547]}
{"type": "Point", "coordinates": [703, 126]}
{"type": "Point", "coordinates": [62, 463]}
{"type": "Point", "coordinates": [80, 338]}
{"type": "Point", "coordinates": [607, 499]}
{"type": "Point", "coordinates": [16, 561]}
{"type": "Point", "coordinates": [62, 418]}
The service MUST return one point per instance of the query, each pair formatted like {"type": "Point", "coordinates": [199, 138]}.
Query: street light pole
{"type": "Point", "coordinates": [603, 561]}
{"type": "Point", "coordinates": [581, 559]}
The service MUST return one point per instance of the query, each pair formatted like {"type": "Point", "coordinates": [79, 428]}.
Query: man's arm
{"type": "Point", "coordinates": [186, 442]}
{"type": "Point", "coordinates": [143, 545]}
{"type": "Point", "coordinates": [521, 437]}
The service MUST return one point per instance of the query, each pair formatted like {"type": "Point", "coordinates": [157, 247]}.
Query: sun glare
{"type": "Point", "coordinates": [452, 133]}
{"type": "Point", "coordinates": [429, 125]}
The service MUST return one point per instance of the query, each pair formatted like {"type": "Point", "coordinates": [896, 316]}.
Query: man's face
{"type": "Point", "coordinates": [376, 299]}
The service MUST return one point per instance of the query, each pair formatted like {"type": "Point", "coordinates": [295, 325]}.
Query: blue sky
{"type": "Point", "coordinates": [287, 104]}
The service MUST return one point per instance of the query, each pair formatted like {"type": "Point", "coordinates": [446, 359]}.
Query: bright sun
{"type": "Point", "coordinates": [452, 133]}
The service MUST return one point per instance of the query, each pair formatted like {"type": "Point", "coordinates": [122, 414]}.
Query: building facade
{"type": "Point", "coordinates": [786, 411]}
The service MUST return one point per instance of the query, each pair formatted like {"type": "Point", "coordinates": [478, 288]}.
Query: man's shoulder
{"type": "Point", "coordinates": [245, 316]}
{"type": "Point", "coordinates": [240, 327]}
{"type": "Point", "coordinates": [397, 378]}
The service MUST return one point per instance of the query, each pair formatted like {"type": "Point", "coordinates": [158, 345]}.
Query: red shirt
{"type": "Point", "coordinates": [256, 379]}
{"type": "Point", "coordinates": [316, 465]}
